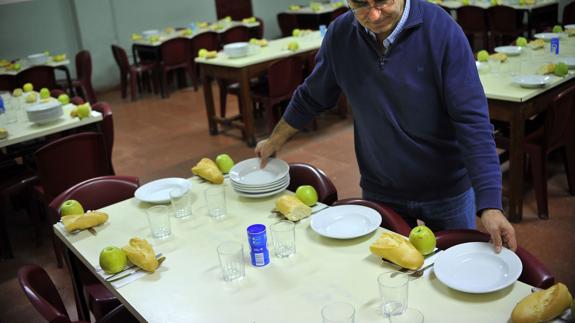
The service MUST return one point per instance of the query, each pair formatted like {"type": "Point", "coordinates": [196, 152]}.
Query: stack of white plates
{"type": "Point", "coordinates": [45, 112]}
{"type": "Point", "coordinates": [249, 180]}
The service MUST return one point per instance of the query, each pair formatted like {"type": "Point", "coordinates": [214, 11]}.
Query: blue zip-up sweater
{"type": "Point", "coordinates": [422, 129]}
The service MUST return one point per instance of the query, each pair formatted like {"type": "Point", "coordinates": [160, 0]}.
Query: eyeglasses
{"type": "Point", "coordinates": [361, 8]}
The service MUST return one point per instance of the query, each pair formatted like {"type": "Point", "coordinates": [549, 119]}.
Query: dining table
{"type": "Point", "coordinates": [241, 70]}
{"type": "Point", "coordinates": [61, 65]}
{"type": "Point", "coordinates": [188, 286]}
{"type": "Point", "coordinates": [309, 17]}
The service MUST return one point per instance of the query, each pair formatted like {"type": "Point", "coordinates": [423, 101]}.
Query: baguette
{"type": "Point", "coordinates": [292, 208]}
{"type": "Point", "coordinates": [208, 170]}
{"type": "Point", "coordinates": [501, 57]}
{"type": "Point", "coordinates": [397, 249]}
{"type": "Point", "coordinates": [83, 221]}
{"type": "Point", "coordinates": [141, 254]}
{"type": "Point", "coordinates": [546, 69]}
{"type": "Point", "coordinates": [543, 305]}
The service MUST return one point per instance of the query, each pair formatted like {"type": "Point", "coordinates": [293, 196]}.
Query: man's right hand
{"type": "Point", "coordinates": [265, 149]}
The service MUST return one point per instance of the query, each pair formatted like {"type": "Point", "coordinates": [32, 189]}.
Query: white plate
{"type": "Point", "coordinates": [570, 61]}
{"type": "Point", "coordinates": [158, 191]}
{"type": "Point", "coordinates": [264, 194]}
{"type": "Point", "coordinates": [547, 36]}
{"type": "Point", "coordinates": [509, 50]}
{"type": "Point", "coordinates": [567, 27]}
{"type": "Point", "coordinates": [482, 67]}
{"type": "Point", "coordinates": [475, 267]}
{"type": "Point", "coordinates": [532, 81]}
{"type": "Point", "coordinates": [261, 189]}
{"type": "Point", "coordinates": [345, 221]}
{"type": "Point", "coordinates": [249, 173]}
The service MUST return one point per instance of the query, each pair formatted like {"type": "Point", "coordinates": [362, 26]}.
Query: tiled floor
{"type": "Point", "coordinates": [157, 138]}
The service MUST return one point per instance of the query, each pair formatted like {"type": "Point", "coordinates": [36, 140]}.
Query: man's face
{"type": "Point", "coordinates": [379, 16]}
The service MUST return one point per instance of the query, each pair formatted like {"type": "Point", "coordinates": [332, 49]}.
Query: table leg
{"type": "Point", "coordinates": [77, 286]}
{"type": "Point", "coordinates": [209, 103]}
{"type": "Point", "coordinates": [247, 113]}
{"type": "Point", "coordinates": [516, 157]}
{"type": "Point", "coordinates": [71, 89]}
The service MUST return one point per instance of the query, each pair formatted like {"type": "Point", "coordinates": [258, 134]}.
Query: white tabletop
{"type": "Point", "coordinates": [454, 4]}
{"type": "Point", "coordinates": [188, 287]}
{"type": "Point", "coordinates": [23, 130]}
{"type": "Point", "coordinates": [307, 10]}
{"type": "Point", "coordinates": [25, 65]}
{"type": "Point", "coordinates": [277, 48]}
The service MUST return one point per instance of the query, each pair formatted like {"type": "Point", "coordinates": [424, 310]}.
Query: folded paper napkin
{"type": "Point", "coordinates": [131, 275]}
{"type": "Point", "coordinates": [428, 260]}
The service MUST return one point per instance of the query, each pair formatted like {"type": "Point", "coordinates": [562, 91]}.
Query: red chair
{"type": "Point", "coordinates": [107, 128]}
{"type": "Point", "coordinates": [569, 14]}
{"type": "Point", "coordinates": [473, 21]}
{"type": "Point", "coordinates": [40, 76]}
{"type": "Point", "coordinates": [534, 272]}
{"type": "Point", "coordinates": [209, 40]}
{"type": "Point", "coordinates": [260, 29]}
{"type": "Point", "coordinates": [83, 82]}
{"type": "Point", "coordinates": [287, 23]}
{"type": "Point", "coordinates": [234, 35]}
{"type": "Point", "coordinates": [283, 77]}
{"type": "Point", "coordinates": [556, 133]}
{"type": "Point", "coordinates": [389, 218]}
{"type": "Point", "coordinates": [505, 24]}
{"type": "Point", "coordinates": [134, 72]}
{"type": "Point", "coordinates": [338, 12]}
{"type": "Point", "coordinates": [306, 174]}
{"type": "Point", "coordinates": [176, 55]}
{"type": "Point", "coordinates": [94, 194]}
{"type": "Point", "coordinates": [8, 82]}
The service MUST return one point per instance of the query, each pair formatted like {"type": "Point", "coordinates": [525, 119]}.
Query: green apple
{"type": "Point", "coordinates": [202, 53]}
{"type": "Point", "coordinates": [28, 87]}
{"type": "Point", "coordinates": [64, 98]}
{"type": "Point", "coordinates": [84, 110]}
{"type": "Point", "coordinates": [296, 32]}
{"type": "Point", "coordinates": [423, 239]}
{"type": "Point", "coordinates": [17, 92]}
{"type": "Point", "coordinates": [557, 29]}
{"type": "Point", "coordinates": [44, 93]}
{"type": "Point", "coordinates": [71, 207]}
{"type": "Point", "coordinates": [16, 66]}
{"type": "Point", "coordinates": [254, 41]}
{"type": "Point", "coordinates": [154, 39]}
{"type": "Point", "coordinates": [307, 194]}
{"type": "Point", "coordinates": [521, 41]}
{"type": "Point", "coordinates": [113, 260]}
{"type": "Point", "coordinates": [465, 2]}
{"type": "Point", "coordinates": [135, 37]}
{"type": "Point", "coordinates": [225, 163]}
{"type": "Point", "coordinates": [228, 19]}
{"type": "Point", "coordinates": [561, 69]}
{"type": "Point", "coordinates": [31, 98]}
{"type": "Point", "coordinates": [483, 56]}
{"type": "Point", "coordinates": [293, 46]}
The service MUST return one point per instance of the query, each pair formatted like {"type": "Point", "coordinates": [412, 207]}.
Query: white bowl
{"type": "Point", "coordinates": [37, 59]}
{"type": "Point", "coordinates": [45, 112]}
{"type": "Point", "coordinates": [233, 50]}
{"type": "Point", "coordinates": [509, 50]}
{"type": "Point", "coordinates": [148, 33]}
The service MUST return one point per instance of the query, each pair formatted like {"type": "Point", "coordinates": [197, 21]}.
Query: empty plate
{"type": "Point", "coordinates": [532, 81]}
{"type": "Point", "coordinates": [571, 26]}
{"type": "Point", "coordinates": [158, 191]}
{"type": "Point", "coordinates": [475, 267]}
{"type": "Point", "coordinates": [570, 61]}
{"type": "Point", "coordinates": [547, 36]}
{"type": "Point", "coordinates": [509, 50]}
{"type": "Point", "coordinates": [345, 221]}
{"type": "Point", "coordinates": [249, 173]}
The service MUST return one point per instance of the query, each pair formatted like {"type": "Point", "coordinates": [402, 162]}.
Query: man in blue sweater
{"type": "Point", "coordinates": [423, 139]}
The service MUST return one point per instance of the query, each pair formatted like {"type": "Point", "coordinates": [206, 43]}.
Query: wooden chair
{"type": "Point", "coordinates": [40, 76]}
{"type": "Point", "coordinates": [569, 14]}
{"type": "Point", "coordinates": [260, 30]}
{"type": "Point", "coordinates": [133, 73]}
{"type": "Point", "coordinates": [8, 82]}
{"type": "Point", "coordinates": [473, 21]}
{"type": "Point", "coordinates": [94, 194]}
{"type": "Point", "coordinates": [287, 23]}
{"type": "Point", "coordinates": [209, 40]}
{"type": "Point", "coordinates": [306, 174]}
{"type": "Point", "coordinates": [176, 55]}
{"type": "Point", "coordinates": [389, 218]}
{"type": "Point", "coordinates": [534, 272]}
{"type": "Point", "coordinates": [556, 133]}
{"type": "Point", "coordinates": [505, 24]}
{"type": "Point", "coordinates": [236, 9]}
{"type": "Point", "coordinates": [83, 82]}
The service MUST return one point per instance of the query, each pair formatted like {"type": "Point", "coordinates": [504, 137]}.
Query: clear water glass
{"type": "Point", "coordinates": [216, 201]}
{"type": "Point", "coordinates": [232, 264]}
{"type": "Point", "coordinates": [338, 312]}
{"type": "Point", "coordinates": [283, 235]}
{"type": "Point", "coordinates": [181, 200]}
{"type": "Point", "coordinates": [159, 220]}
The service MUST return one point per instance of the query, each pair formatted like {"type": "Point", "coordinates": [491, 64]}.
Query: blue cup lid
{"type": "Point", "coordinates": [256, 229]}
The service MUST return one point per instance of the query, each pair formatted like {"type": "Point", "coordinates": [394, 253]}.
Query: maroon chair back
{"type": "Point", "coordinates": [284, 76]}
{"type": "Point", "coordinates": [260, 30]}
{"type": "Point", "coordinates": [236, 9]}
{"type": "Point", "coordinates": [505, 24]}
{"type": "Point", "coordinates": [176, 52]}
{"type": "Point", "coordinates": [569, 14]}
{"type": "Point", "coordinates": [107, 127]}
{"type": "Point", "coordinates": [208, 40]}
{"type": "Point", "coordinates": [389, 218]}
{"type": "Point", "coordinates": [338, 12]}
{"type": "Point", "coordinates": [118, 315]}
{"type": "Point", "coordinates": [287, 23]}
{"type": "Point", "coordinates": [8, 82]}
{"type": "Point", "coordinates": [40, 76]}
{"type": "Point", "coordinates": [306, 174]}
{"type": "Point", "coordinates": [40, 290]}
{"type": "Point", "coordinates": [121, 59]}
{"type": "Point", "coordinates": [559, 117]}
{"type": "Point", "coordinates": [310, 62]}
{"type": "Point", "coordinates": [534, 272]}
{"type": "Point", "coordinates": [473, 20]}
{"type": "Point", "coordinates": [234, 35]}
{"type": "Point", "coordinates": [84, 66]}
{"type": "Point", "coordinates": [70, 160]}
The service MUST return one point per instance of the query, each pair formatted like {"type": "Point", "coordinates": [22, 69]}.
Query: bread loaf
{"type": "Point", "coordinates": [208, 170]}
{"type": "Point", "coordinates": [536, 44]}
{"type": "Point", "coordinates": [141, 254]}
{"type": "Point", "coordinates": [543, 305]}
{"type": "Point", "coordinates": [397, 249]}
{"type": "Point", "coordinates": [498, 57]}
{"type": "Point", "coordinates": [546, 69]}
{"type": "Point", "coordinates": [292, 208]}
{"type": "Point", "coordinates": [83, 221]}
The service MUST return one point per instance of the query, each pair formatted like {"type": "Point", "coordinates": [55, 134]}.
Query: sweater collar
{"type": "Point", "coordinates": [414, 18]}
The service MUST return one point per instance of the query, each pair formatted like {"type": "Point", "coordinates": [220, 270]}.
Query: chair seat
{"type": "Point", "coordinates": [101, 301]}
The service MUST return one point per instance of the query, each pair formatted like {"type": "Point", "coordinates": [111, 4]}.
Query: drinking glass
{"type": "Point", "coordinates": [231, 255]}
{"type": "Point", "coordinates": [338, 312]}
{"type": "Point", "coordinates": [216, 201]}
{"type": "Point", "coordinates": [393, 290]}
{"type": "Point", "coordinates": [180, 199]}
{"type": "Point", "coordinates": [159, 219]}
{"type": "Point", "coordinates": [283, 234]}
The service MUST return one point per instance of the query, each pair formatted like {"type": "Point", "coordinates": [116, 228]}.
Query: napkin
{"type": "Point", "coordinates": [131, 274]}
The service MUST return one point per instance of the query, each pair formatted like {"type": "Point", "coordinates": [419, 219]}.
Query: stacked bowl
{"type": "Point", "coordinates": [249, 180]}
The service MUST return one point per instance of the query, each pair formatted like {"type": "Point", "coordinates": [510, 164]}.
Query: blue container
{"type": "Point", "coordinates": [257, 239]}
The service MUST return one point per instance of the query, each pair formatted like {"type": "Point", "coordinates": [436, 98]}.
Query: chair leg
{"type": "Point", "coordinates": [569, 161]}
{"type": "Point", "coordinates": [539, 171]}
{"type": "Point", "coordinates": [124, 84]}
{"type": "Point", "coordinates": [133, 81]}
{"type": "Point", "coordinates": [5, 246]}
{"type": "Point", "coordinates": [165, 84]}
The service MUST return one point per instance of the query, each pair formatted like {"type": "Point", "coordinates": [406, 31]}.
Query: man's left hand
{"type": "Point", "coordinates": [501, 231]}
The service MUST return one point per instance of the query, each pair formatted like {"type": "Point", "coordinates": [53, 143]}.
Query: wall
{"type": "Point", "coordinates": [67, 26]}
